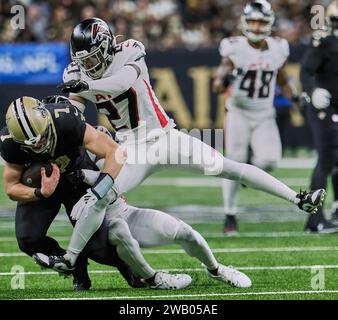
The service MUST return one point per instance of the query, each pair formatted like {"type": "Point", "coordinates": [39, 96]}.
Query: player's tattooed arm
{"type": "Point", "coordinates": [223, 71]}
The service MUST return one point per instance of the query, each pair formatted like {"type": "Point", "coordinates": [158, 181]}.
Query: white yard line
{"type": "Point", "coordinates": [252, 268]}
{"type": "Point", "coordinates": [217, 235]}
{"type": "Point", "coordinates": [240, 250]}
{"type": "Point", "coordinates": [209, 182]}
{"type": "Point", "coordinates": [216, 250]}
{"type": "Point", "coordinates": [259, 293]}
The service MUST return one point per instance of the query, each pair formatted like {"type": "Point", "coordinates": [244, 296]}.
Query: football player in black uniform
{"type": "Point", "coordinates": [57, 133]}
{"type": "Point", "coordinates": [319, 77]}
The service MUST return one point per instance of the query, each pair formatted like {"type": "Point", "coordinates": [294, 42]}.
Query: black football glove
{"type": "Point", "coordinates": [73, 86]}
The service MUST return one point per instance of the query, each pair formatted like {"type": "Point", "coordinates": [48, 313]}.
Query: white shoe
{"type": "Point", "coordinates": [230, 275]}
{"type": "Point", "coordinates": [166, 281]}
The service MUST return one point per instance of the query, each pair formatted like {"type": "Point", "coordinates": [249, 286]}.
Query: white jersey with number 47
{"type": "Point", "coordinates": [254, 86]}
{"type": "Point", "coordinates": [138, 105]}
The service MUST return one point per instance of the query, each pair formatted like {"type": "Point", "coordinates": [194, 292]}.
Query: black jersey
{"type": "Point", "coordinates": [67, 151]}
{"type": "Point", "coordinates": [319, 67]}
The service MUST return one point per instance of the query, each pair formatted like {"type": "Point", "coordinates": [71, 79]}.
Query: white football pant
{"type": "Point", "coordinates": [244, 130]}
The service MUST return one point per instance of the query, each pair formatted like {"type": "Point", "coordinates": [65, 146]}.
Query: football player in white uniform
{"type": "Point", "coordinates": [115, 77]}
{"type": "Point", "coordinates": [251, 65]}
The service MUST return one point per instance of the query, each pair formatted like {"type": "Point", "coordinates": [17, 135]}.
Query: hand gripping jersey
{"type": "Point", "coordinates": [254, 86]}
{"type": "Point", "coordinates": [126, 110]}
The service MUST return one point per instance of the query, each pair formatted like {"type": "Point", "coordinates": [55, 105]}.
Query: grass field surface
{"type": "Point", "coordinates": [283, 261]}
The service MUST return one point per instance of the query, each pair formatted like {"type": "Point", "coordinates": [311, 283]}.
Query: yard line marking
{"type": "Point", "coordinates": [259, 234]}
{"type": "Point", "coordinates": [13, 239]}
{"type": "Point", "coordinates": [260, 293]}
{"type": "Point", "coordinates": [216, 250]}
{"type": "Point", "coordinates": [252, 268]}
{"type": "Point", "coordinates": [240, 250]}
{"type": "Point", "coordinates": [218, 235]}
{"type": "Point", "coordinates": [209, 182]}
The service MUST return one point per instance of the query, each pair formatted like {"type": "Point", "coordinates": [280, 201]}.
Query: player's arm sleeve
{"type": "Point", "coordinates": [12, 154]}
{"type": "Point", "coordinates": [310, 64]}
{"type": "Point", "coordinates": [120, 82]}
{"type": "Point", "coordinates": [125, 77]}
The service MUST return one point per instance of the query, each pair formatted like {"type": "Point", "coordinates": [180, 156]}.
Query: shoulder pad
{"type": "Point", "coordinates": [227, 46]}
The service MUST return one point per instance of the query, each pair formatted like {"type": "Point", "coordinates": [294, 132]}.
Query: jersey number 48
{"type": "Point", "coordinates": [248, 83]}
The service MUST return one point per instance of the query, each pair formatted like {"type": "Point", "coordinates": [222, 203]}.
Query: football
{"type": "Point", "coordinates": [31, 176]}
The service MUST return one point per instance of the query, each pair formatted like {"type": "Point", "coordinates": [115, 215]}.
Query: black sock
{"type": "Point", "coordinates": [213, 271]}
{"type": "Point", "coordinates": [151, 280]}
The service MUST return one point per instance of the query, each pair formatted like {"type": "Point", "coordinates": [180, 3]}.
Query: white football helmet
{"type": "Point", "coordinates": [258, 10]}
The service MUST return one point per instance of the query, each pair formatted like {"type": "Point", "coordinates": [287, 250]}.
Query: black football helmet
{"type": "Point", "coordinates": [258, 10]}
{"type": "Point", "coordinates": [91, 47]}
{"type": "Point", "coordinates": [332, 18]}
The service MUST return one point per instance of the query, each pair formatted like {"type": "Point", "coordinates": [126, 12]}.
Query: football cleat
{"type": "Point", "coordinates": [322, 227]}
{"type": "Point", "coordinates": [230, 225]}
{"type": "Point", "coordinates": [81, 286]}
{"type": "Point", "coordinates": [57, 263]}
{"type": "Point", "coordinates": [166, 281]}
{"type": "Point", "coordinates": [334, 216]}
{"type": "Point", "coordinates": [229, 275]}
{"type": "Point", "coordinates": [311, 201]}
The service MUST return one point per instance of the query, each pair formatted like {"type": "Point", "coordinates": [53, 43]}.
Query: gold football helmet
{"type": "Point", "coordinates": [30, 124]}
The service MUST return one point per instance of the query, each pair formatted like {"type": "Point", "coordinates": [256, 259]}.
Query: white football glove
{"type": "Point", "coordinates": [321, 98]}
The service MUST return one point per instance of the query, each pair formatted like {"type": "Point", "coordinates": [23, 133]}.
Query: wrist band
{"type": "Point", "coordinates": [38, 193]}
{"type": "Point", "coordinates": [102, 185]}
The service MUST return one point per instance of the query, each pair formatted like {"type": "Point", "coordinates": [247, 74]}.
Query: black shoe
{"type": "Point", "coordinates": [334, 217]}
{"type": "Point", "coordinates": [81, 285]}
{"type": "Point", "coordinates": [57, 263]}
{"type": "Point", "coordinates": [311, 201]}
{"type": "Point", "coordinates": [322, 227]}
{"type": "Point", "coordinates": [230, 224]}
{"type": "Point", "coordinates": [81, 280]}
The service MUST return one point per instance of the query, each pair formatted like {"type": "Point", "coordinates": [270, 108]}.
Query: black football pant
{"type": "Point", "coordinates": [324, 127]}
{"type": "Point", "coordinates": [33, 219]}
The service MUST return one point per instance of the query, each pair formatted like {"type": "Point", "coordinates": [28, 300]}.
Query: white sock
{"type": "Point", "coordinates": [195, 245]}
{"type": "Point", "coordinates": [229, 188]}
{"type": "Point", "coordinates": [84, 229]}
{"type": "Point", "coordinates": [128, 248]}
{"type": "Point", "coordinates": [258, 179]}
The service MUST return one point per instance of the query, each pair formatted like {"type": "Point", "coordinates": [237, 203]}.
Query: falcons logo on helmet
{"type": "Point", "coordinates": [98, 31]}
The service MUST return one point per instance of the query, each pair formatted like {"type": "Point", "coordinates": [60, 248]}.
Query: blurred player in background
{"type": "Point", "coordinates": [251, 65]}
{"type": "Point", "coordinates": [319, 77]}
